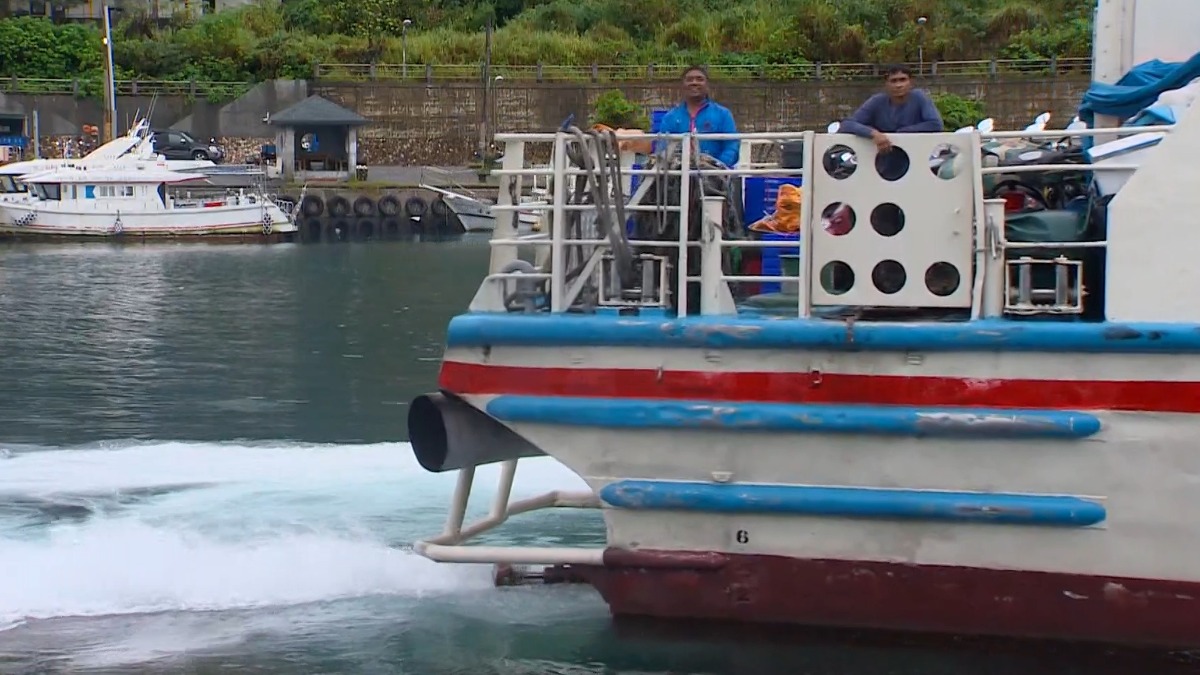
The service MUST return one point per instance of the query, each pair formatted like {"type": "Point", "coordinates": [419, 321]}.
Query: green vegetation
{"type": "Point", "coordinates": [614, 110]}
{"type": "Point", "coordinates": [288, 40]}
{"type": "Point", "coordinates": [958, 112]}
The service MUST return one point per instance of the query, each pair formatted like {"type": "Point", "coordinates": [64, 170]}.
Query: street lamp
{"type": "Point", "coordinates": [493, 110]}
{"type": "Point", "coordinates": [921, 45]}
{"type": "Point", "coordinates": [404, 47]}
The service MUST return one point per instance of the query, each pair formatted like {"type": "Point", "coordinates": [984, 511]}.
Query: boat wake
{"type": "Point", "coordinates": [132, 528]}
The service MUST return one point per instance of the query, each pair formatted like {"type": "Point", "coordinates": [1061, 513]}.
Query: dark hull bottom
{"type": "Point", "coordinates": [898, 597]}
{"type": "Point", "coordinates": [256, 238]}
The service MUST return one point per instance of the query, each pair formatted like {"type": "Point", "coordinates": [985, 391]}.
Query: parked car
{"type": "Point", "coordinates": [180, 145]}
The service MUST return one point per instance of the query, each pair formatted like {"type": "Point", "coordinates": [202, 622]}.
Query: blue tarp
{"type": "Point", "coordinates": [1138, 89]}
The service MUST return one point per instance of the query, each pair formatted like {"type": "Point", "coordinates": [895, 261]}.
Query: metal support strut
{"type": "Point", "coordinates": [449, 545]}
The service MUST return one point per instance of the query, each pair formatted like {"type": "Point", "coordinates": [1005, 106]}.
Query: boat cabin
{"type": "Point", "coordinates": [85, 186]}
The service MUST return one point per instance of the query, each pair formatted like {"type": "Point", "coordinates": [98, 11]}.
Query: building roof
{"type": "Point", "coordinates": [317, 111]}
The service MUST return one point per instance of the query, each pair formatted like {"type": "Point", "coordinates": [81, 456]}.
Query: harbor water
{"type": "Point", "coordinates": [203, 469]}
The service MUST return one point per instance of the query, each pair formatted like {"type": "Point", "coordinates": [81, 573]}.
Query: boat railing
{"type": "Point", "coordinates": [589, 254]}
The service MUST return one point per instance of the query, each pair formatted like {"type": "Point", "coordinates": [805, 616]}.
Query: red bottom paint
{"type": "Point", "coordinates": [897, 596]}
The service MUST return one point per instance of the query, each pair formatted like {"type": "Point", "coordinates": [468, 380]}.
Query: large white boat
{"type": "Point", "coordinates": [946, 425]}
{"type": "Point", "coordinates": [137, 198]}
{"type": "Point", "coordinates": [133, 147]}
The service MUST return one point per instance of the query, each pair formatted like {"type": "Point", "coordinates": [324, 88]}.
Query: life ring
{"type": "Point", "coordinates": [364, 207]}
{"type": "Point", "coordinates": [389, 206]}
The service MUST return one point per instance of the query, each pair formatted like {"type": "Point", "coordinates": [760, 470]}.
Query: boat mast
{"type": "Point", "coordinates": [109, 131]}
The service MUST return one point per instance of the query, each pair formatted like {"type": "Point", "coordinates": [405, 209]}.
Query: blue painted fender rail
{"type": "Point", "coordinates": [479, 329]}
{"type": "Point", "coordinates": [883, 420]}
{"type": "Point", "coordinates": [855, 502]}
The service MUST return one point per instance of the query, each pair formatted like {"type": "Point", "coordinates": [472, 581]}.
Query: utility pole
{"type": "Point", "coordinates": [108, 131]}
{"type": "Point", "coordinates": [487, 90]}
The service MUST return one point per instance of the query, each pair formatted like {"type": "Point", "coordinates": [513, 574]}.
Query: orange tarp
{"type": "Point", "coordinates": [786, 219]}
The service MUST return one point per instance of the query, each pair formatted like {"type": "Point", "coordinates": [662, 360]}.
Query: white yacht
{"type": "Point", "coordinates": [134, 145]}
{"type": "Point", "coordinates": [135, 197]}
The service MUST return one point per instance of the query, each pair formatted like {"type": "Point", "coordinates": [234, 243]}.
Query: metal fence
{"type": "Point", "coordinates": [215, 91]}
{"type": "Point", "coordinates": [1006, 68]}
{"type": "Point", "coordinates": [655, 72]}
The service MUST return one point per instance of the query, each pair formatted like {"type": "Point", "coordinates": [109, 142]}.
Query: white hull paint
{"type": "Point", "coordinates": [1150, 447]}
{"type": "Point", "coordinates": [476, 216]}
{"type": "Point", "coordinates": [226, 220]}
{"type": "Point", "coordinates": [1142, 466]}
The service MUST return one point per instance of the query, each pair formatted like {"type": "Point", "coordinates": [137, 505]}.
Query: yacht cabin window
{"type": "Point", "coordinates": [93, 191]}
{"type": "Point", "coordinates": [9, 184]}
{"type": "Point", "coordinates": [48, 191]}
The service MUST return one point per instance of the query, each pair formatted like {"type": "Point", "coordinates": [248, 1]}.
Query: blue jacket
{"type": "Point", "coordinates": [712, 118]}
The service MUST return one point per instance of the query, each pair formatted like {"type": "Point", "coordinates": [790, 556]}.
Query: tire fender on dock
{"type": "Point", "coordinates": [415, 207]}
{"type": "Point", "coordinates": [312, 230]}
{"type": "Point", "coordinates": [364, 207]}
{"type": "Point", "coordinates": [389, 206]}
{"type": "Point", "coordinates": [339, 207]}
{"type": "Point", "coordinates": [396, 228]}
{"type": "Point", "coordinates": [313, 206]}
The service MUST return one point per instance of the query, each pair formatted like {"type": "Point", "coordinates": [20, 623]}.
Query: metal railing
{"type": "Point", "coordinates": [473, 72]}
{"type": "Point", "coordinates": [62, 87]}
{"type": "Point", "coordinates": [563, 293]}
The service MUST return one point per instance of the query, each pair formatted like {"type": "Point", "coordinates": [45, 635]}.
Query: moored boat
{"type": "Point", "coordinates": [137, 199]}
{"type": "Point", "coordinates": [960, 419]}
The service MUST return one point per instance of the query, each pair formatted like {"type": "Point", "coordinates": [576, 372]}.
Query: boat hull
{"type": "Point", "coordinates": [897, 596]}
{"type": "Point", "coordinates": [478, 217]}
{"type": "Point", "coordinates": [774, 471]}
{"type": "Point", "coordinates": [242, 222]}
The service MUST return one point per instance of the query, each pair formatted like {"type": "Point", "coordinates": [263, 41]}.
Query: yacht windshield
{"type": "Point", "coordinates": [9, 185]}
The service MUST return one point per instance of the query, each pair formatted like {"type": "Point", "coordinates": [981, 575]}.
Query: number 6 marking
{"type": "Point", "coordinates": [742, 537]}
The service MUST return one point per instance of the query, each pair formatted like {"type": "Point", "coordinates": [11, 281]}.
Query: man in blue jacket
{"type": "Point", "coordinates": [699, 113]}
{"type": "Point", "coordinates": [898, 109]}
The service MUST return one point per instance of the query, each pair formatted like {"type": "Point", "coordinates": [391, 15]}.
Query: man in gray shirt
{"type": "Point", "coordinates": [898, 109]}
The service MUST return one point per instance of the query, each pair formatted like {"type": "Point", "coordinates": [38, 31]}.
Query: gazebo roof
{"type": "Point", "coordinates": [317, 111]}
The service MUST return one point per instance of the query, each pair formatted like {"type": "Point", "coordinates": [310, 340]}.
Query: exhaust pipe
{"type": "Point", "coordinates": [448, 433]}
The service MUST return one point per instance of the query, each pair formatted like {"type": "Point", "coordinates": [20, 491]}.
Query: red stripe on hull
{"type": "Point", "coordinates": [762, 387]}
{"type": "Point", "coordinates": [897, 596]}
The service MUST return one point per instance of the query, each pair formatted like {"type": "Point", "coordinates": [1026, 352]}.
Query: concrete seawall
{"type": "Point", "coordinates": [438, 124]}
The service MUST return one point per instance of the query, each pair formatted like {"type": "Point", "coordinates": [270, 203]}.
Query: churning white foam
{"type": "Point", "coordinates": [230, 526]}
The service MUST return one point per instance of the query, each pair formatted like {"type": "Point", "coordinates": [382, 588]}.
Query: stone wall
{"type": "Point", "coordinates": [438, 125]}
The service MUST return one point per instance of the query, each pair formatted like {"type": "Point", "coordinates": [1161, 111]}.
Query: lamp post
{"type": "Point", "coordinates": [495, 108]}
{"type": "Point", "coordinates": [921, 45]}
{"type": "Point", "coordinates": [404, 47]}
